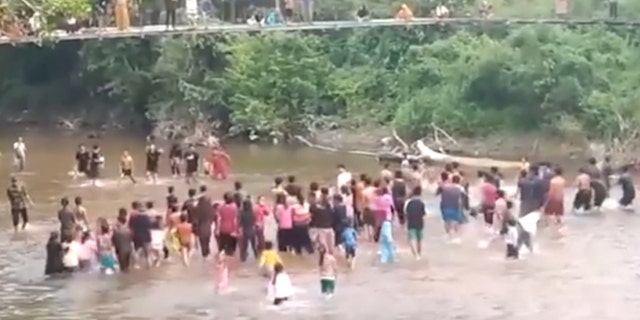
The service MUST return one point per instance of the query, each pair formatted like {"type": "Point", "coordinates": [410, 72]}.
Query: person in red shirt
{"type": "Point", "coordinates": [227, 225]}
{"type": "Point", "coordinates": [489, 197]}
{"type": "Point", "coordinates": [220, 163]}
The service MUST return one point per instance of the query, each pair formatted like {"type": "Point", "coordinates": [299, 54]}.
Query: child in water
{"type": "Point", "coordinates": [350, 241]}
{"type": "Point", "coordinates": [328, 272]}
{"type": "Point", "coordinates": [222, 272]}
{"type": "Point", "coordinates": [280, 286]}
{"type": "Point", "coordinates": [387, 249]}
{"type": "Point", "coordinates": [158, 235]}
{"type": "Point", "coordinates": [511, 239]}
{"type": "Point", "coordinates": [268, 259]}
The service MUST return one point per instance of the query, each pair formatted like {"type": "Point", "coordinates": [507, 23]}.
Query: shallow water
{"type": "Point", "coordinates": [591, 273]}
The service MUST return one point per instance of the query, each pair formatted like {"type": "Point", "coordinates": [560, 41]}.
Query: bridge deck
{"type": "Point", "coordinates": [161, 30]}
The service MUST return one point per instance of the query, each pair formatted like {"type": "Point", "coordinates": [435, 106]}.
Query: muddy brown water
{"type": "Point", "coordinates": [591, 273]}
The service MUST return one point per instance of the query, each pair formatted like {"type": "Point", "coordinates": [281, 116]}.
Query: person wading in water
{"type": "Point", "coordinates": [18, 199]}
{"type": "Point", "coordinates": [582, 199]}
{"type": "Point", "coordinates": [96, 162]}
{"type": "Point", "coordinates": [20, 154]}
{"type": "Point", "coordinates": [203, 220]}
{"type": "Point", "coordinates": [80, 215]}
{"type": "Point", "coordinates": [67, 218]}
{"type": "Point", "coordinates": [175, 159]}
{"type": "Point", "coordinates": [126, 166]}
{"type": "Point", "coordinates": [554, 204]}
{"type": "Point", "coordinates": [153, 158]}
{"type": "Point", "coordinates": [82, 162]}
{"type": "Point", "coordinates": [192, 159]}
{"type": "Point", "coordinates": [399, 195]}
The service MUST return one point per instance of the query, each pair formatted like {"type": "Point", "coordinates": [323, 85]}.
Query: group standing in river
{"type": "Point", "coordinates": [326, 220]}
{"type": "Point", "coordinates": [217, 165]}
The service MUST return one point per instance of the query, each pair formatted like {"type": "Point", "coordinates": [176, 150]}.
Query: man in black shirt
{"type": "Point", "coordinates": [192, 159]}
{"type": "Point", "coordinates": [415, 211]}
{"type": "Point", "coordinates": [122, 242]}
{"type": "Point", "coordinates": [67, 218]}
{"type": "Point", "coordinates": [18, 199]}
{"type": "Point", "coordinates": [153, 158]}
{"type": "Point", "coordinates": [189, 207]}
{"type": "Point", "coordinates": [399, 195]}
{"type": "Point", "coordinates": [292, 188]}
{"type": "Point", "coordinates": [82, 161]}
{"type": "Point", "coordinates": [140, 224]}
{"type": "Point", "coordinates": [203, 220]}
{"type": "Point", "coordinates": [238, 193]}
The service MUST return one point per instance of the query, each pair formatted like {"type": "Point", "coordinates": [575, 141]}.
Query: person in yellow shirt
{"type": "Point", "coordinates": [268, 259]}
{"type": "Point", "coordinates": [404, 13]}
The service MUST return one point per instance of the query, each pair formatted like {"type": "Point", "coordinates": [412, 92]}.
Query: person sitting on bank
{"type": "Point", "coordinates": [362, 14]}
{"type": "Point", "coordinates": [404, 13]}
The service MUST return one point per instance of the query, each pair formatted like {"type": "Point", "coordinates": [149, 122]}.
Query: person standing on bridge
{"type": "Point", "coordinates": [122, 14]}
{"type": "Point", "coordinates": [170, 14]}
{"type": "Point", "coordinates": [613, 9]}
{"type": "Point", "coordinates": [404, 13]}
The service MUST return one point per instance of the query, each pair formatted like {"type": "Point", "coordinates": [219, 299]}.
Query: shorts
{"type": "Point", "coordinates": [368, 217]}
{"type": "Point", "coordinates": [279, 301]}
{"type": "Point", "coordinates": [350, 252]}
{"type": "Point", "coordinates": [415, 234]}
{"type": "Point", "coordinates": [487, 212]}
{"type": "Point", "coordinates": [288, 13]}
{"type": "Point", "coordinates": [554, 207]}
{"type": "Point", "coordinates": [145, 247]}
{"type": "Point", "coordinates": [127, 172]}
{"type": "Point", "coordinates": [152, 169]}
{"type": "Point", "coordinates": [512, 251]}
{"type": "Point", "coordinates": [327, 286]}
{"type": "Point", "coordinates": [452, 216]}
{"type": "Point", "coordinates": [107, 261]}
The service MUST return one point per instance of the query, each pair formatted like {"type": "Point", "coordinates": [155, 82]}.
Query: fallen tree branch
{"type": "Point", "coordinates": [444, 133]}
{"type": "Point", "coordinates": [405, 146]}
{"type": "Point", "coordinates": [330, 149]}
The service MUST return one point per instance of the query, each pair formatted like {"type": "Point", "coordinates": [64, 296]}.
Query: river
{"type": "Point", "coordinates": [591, 273]}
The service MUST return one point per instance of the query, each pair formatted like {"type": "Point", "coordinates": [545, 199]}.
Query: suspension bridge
{"type": "Point", "coordinates": [161, 30]}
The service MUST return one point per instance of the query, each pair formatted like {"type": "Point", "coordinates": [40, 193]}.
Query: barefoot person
{"type": "Point", "coordinates": [192, 159]}
{"type": "Point", "coordinates": [82, 162]}
{"type": "Point", "coordinates": [628, 189]}
{"type": "Point", "coordinates": [220, 163]}
{"type": "Point", "coordinates": [554, 205]}
{"type": "Point", "coordinates": [451, 198]}
{"type": "Point", "coordinates": [582, 199]}
{"type": "Point", "coordinates": [96, 163]}
{"type": "Point", "coordinates": [20, 154]}
{"type": "Point", "coordinates": [18, 199]}
{"type": "Point", "coordinates": [415, 210]}
{"type": "Point", "coordinates": [153, 158]}
{"type": "Point", "coordinates": [126, 166]}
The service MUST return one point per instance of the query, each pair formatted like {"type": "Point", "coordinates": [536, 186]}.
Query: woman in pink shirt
{"type": "Point", "coordinates": [300, 233]}
{"type": "Point", "coordinates": [227, 225]}
{"type": "Point", "coordinates": [284, 219]}
{"type": "Point", "coordinates": [88, 252]}
{"type": "Point", "coordinates": [383, 207]}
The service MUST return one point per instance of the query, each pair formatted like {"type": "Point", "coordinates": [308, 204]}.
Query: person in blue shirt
{"type": "Point", "coordinates": [350, 241]}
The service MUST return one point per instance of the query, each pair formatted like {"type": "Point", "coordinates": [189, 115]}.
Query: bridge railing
{"type": "Point", "coordinates": [221, 13]}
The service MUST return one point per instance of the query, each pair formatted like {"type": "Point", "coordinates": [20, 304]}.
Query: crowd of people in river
{"type": "Point", "coordinates": [327, 219]}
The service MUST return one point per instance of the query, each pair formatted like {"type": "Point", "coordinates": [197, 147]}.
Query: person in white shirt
{"type": "Point", "coordinates": [344, 177]}
{"type": "Point", "coordinates": [511, 239]}
{"type": "Point", "coordinates": [71, 254]}
{"type": "Point", "coordinates": [280, 286]}
{"type": "Point", "coordinates": [158, 235]}
{"type": "Point", "coordinates": [20, 154]}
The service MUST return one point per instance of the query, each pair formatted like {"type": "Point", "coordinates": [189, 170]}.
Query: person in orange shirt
{"type": "Point", "coordinates": [184, 231]}
{"type": "Point", "coordinates": [404, 13]}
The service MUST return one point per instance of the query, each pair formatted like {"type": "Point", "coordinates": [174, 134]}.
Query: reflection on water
{"type": "Point", "coordinates": [590, 274]}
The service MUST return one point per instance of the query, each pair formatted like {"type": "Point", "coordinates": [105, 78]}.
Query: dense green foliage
{"type": "Point", "coordinates": [473, 81]}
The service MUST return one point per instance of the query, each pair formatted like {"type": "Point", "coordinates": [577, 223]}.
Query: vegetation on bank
{"type": "Point", "coordinates": [469, 81]}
